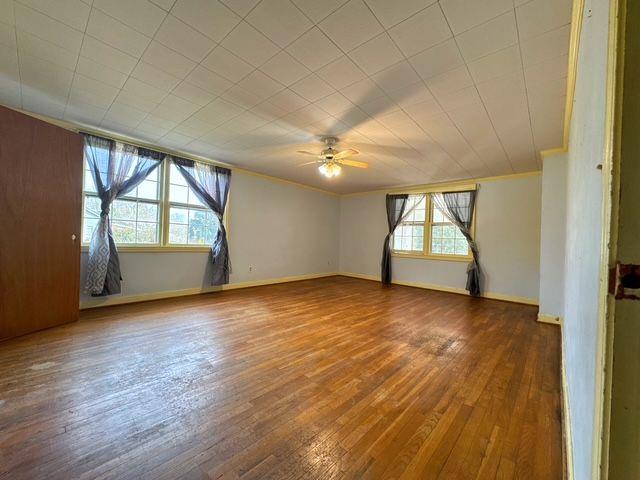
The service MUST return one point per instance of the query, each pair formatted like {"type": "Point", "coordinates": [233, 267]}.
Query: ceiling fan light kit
{"type": "Point", "coordinates": [331, 161]}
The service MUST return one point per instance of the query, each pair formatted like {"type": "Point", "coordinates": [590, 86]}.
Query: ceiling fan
{"type": "Point", "coordinates": [330, 160]}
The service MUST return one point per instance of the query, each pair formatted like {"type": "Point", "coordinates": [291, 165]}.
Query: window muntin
{"type": "Point", "coordinates": [427, 232]}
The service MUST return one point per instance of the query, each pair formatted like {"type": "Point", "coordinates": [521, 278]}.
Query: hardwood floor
{"type": "Point", "coordinates": [321, 379]}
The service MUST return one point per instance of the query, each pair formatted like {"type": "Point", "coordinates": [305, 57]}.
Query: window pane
{"type": "Point", "coordinates": [436, 245]}
{"type": "Point", "coordinates": [147, 212]}
{"type": "Point", "coordinates": [462, 248]}
{"type": "Point", "coordinates": [87, 231]}
{"type": "Point", "coordinates": [123, 231]}
{"type": "Point", "coordinates": [178, 194]}
{"type": "Point", "coordinates": [91, 207]}
{"type": "Point", "coordinates": [89, 184]}
{"type": "Point", "coordinates": [148, 189]}
{"type": "Point", "coordinates": [175, 177]}
{"type": "Point", "coordinates": [123, 210]}
{"type": "Point", "coordinates": [448, 246]}
{"type": "Point", "coordinates": [397, 242]}
{"type": "Point", "coordinates": [406, 243]}
{"type": "Point", "coordinates": [179, 215]}
{"type": "Point", "coordinates": [418, 243]}
{"type": "Point", "coordinates": [147, 232]}
{"type": "Point", "coordinates": [178, 233]}
{"type": "Point", "coordinates": [438, 217]}
{"type": "Point", "coordinates": [448, 231]}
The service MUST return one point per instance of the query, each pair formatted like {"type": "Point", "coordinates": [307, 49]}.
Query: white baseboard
{"type": "Point", "coordinates": [444, 288]}
{"type": "Point", "coordinates": [552, 319]}
{"type": "Point", "coordinates": [145, 297]}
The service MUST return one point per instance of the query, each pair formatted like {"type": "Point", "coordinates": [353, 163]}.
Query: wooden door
{"type": "Point", "coordinates": [40, 221]}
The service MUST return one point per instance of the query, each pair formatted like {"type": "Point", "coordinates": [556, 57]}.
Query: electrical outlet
{"type": "Point", "coordinates": [250, 268]}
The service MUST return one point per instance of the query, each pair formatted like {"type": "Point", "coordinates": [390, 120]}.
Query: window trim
{"type": "Point", "coordinates": [426, 252]}
{"type": "Point", "coordinates": [164, 206]}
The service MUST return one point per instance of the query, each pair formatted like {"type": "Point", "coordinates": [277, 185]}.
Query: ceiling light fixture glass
{"type": "Point", "coordinates": [330, 169]}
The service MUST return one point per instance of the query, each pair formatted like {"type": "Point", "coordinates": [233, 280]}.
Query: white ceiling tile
{"type": "Point", "coordinates": [97, 71]}
{"type": "Point", "coordinates": [549, 69]}
{"type": "Point", "coordinates": [540, 16]}
{"type": "Point", "coordinates": [154, 76]}
{"type": "Point", "coordinates": [141, 15]}
{"type": "Point", "coordinates": [363, 91]}
{"type": "Point", "coordinates": [286, 101]}
{"type": "Point", "coordinates": [74, 13]}
{"type": "Point", "coordinates": [548, 45]}
{"type": "Point", "coordinates": [193, 93]}
{"type": "Point", "coordinates": [312, 88]}
{"type": "Point", "coordinates": [500, 63]}
{"type": "Point", "coordinates": [422, 112]}
{"type": "Point", "coordinates": [218, 112]}
{"type": "Point", "coordinates": [411, 94]}
{"type": "Point", "coordinates": [227, 65]}
{"type": "Point", "coordinates": [241, 7]}
{"type": "Point", "coordinates": [184, 39]}
{"type": "Point", "coordinates": [279, 20]}
{"type": "Point", "coordinates": [379, 106]}
{"type": "Point", "coordinates": [335, 104]}
{"type": "Point", "coordinates": [502, 87]}
{"type": "Point", "coordinates": [92, 92]}
{"type": "Point", "coordinates": [459, 99]}
{"type": "Point", "coordinates": [83, 113]}
{"type": "Point", "coordinates": [260, 84]}
{"type": "Point", "coordinates": [464, 14]}
{"type": "Point", "coordinates": [140, 95]}
{"type": "Point", "coordinates": [193, 127]}
{"type": "Point", "coordinates": [285, 69]}
{"type": "Point", "coordinates": [207, 16]}
{"type": "Point", "coordinates": [164, 4]}
{"type": "Point", "coordinates": [449, 82]}
{"type": "Point", "coordinates": [45, 76]}
{"type": "Point", "coordinates": [341, 73]}
{"type": "Point", "coordinates": [421, 31]}
{"type": "Point", "coordinates": [167, 60]}
{"type": "Point", "coordinates": [392, 12]}
{"type": "Point", "coordinates": [318, 11]}
{"type": "Point", "coordinates": [174, 139]}
{"type": "Point", "coordinates": [250, 45]}
{"type": "Point", "coordinates": [436, 60]}
{"type": "Point", "coordinates": [175, 108]}
{"type": "Point", "coordinates": [105, 54]}
{"type": "Point", "coordinates": [376, 54]}
{"type": "Point", "coordinates": [7, 13]}
{"type": "Point", "coordinates": [39, 103]}
{"type": "Point", "coordinates": [314, 49]}
{"type": "Point", "coordinates": [125, 115]}
{"type": "Point", "coordinates": [351, 25]}
{"type": "Point", "coordinates": [396, 77]}
{"type": "Point", "coordinates": [242, 97]}
{"type": "Point", "coordinates": [489, 37]}
{"type": "Point", "coordinates": [8, 35]}
{"type": "Point", "coordinates": [117, 34]}
{"type": "Point", "coordinates": [9, 63]}
{"type": "Point", "coordinates": [208, 80]}
{"type": "Point", "coordinates": [47, 28]}
{"type": "Point", "coordinates": [31, 45]}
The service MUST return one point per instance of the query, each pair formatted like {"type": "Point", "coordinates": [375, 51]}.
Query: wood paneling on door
{"type": "Point", "coordinates": [40, 213]}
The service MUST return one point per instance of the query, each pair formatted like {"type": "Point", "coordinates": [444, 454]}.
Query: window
{"type": "Point", "coordinates": [137, 219]}
{"type": "Point", "coordinates": [190, 222]}
{"type": "Point", "coordinates": [427, 232]}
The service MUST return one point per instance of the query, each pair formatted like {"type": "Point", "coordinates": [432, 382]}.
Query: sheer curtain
{"type": "Point", "coordinates": [211, 185]}
{"type": "Point", "coordinates": [458, 208]}
{"type": "Point", "coordinates": [117, 168]}
{"type": "Point", "coordinates": [396, 212]}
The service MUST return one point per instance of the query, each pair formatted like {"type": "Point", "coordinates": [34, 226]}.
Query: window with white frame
{"type": "Point", "coordinates": [190, 222]}
{"type": "Point", "coordinates": [139, 218]}
{"type": "Point", "coordinates": [427, 232]}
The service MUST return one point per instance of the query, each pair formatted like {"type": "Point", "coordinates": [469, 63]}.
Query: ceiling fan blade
{"type": "Point", "coordinates": [308, 163]}
{"type": "Point", "coordinates": [304, 152]}
{"type": "Point", "coordinates": [353, 163]}
{"type": "Point", "coordinates": [345, 153]}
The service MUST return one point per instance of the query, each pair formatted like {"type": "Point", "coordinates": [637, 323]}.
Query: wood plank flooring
{"type": "Point", "coordinates": [321, 379]}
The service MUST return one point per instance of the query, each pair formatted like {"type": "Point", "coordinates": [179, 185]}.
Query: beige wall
{"type": "Point", "coordinates": [507, 232]}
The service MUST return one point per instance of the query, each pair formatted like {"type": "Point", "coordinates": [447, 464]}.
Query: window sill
{"type": "Point", "coordinates": [159, 249]}
{"type": "Point", "coordinates": [446, 258]}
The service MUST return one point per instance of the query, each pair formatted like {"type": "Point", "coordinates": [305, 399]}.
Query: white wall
{"type": "Point", "coordinates": [279, 229]}
{"type": "Point", "coordinates": [553, 235]}
{"type": "Point", "coordinates": [583, 235]}
{"type": "Point", "coordinates": [507, 232]}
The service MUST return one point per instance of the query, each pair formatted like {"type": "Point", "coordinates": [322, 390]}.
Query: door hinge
{"type": "Point", "coordinates": [624, 281]}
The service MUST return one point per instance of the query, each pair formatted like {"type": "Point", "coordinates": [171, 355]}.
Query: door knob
{"type": "Point", "coordinates": [73, 238]}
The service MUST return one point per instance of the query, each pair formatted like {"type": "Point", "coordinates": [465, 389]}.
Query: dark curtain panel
{"type": "Point", "coordinates": [211, 185]}
{"type": "Point", "coordinates": [396, 205]}
{"type": "Point", "coordinates": [117, 168]}
{"type": "Point", "coordinates": [458, 208]}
